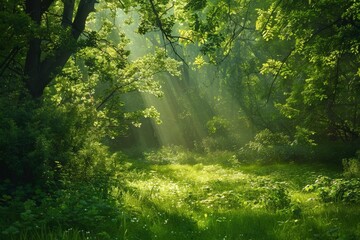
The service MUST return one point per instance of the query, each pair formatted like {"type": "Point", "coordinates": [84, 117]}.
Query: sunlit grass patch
{"type": "Point", "coordinates": [44, 233]}
{"type": "Point", "coordinates": [244, 224]}
{"type": "Point", "coordinates": [332, 221]}
{"type": "Point", "coordinates": [215, 201]}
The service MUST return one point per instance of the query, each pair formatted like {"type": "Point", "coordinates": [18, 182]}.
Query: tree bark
{"type": "Point", "coordinates": [40, 73]}
{"type": "Point", "coordinates": [68, 13]}
{"type": "Point", "coordinates": [32, 62]}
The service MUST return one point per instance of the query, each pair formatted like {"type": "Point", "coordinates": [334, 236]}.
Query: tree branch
{"type": "Point", "coordinates": [84, 9]}
{"type": "Point", "coordinates": [68, 13]}
{"type": "Point", "coordinates": [8, 59]}
{"type": "Point", "coordinates": [278, 73]}
{"type": "Point", "coordinates": [163, 31]}
{"type": "Point", "coordinates": [45, 4]}
{"type": "Point", "coordinates": [40, 74]}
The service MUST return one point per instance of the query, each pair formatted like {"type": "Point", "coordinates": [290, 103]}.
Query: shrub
{"type": "Point", "coordinates": [80, 206]}
{"type": "Point", "coordinates": [218, 126]}
{"type": "Point", "coordinates": [352, 166]}
{"type": "Point", "coordinates": [77, 204]}
{"type": "Point", "coordinates": [53, 167]}
{"type": "Point", "coordinates": [266, 147]}
{"type": "Point", "coordinates": [170, 155]}
{"type": "Point", "coordinates": [336, 190]}
{"type": "Point", "coordinates": [216, 143]}
{"type": "Point", "coordinates": [276, 197]}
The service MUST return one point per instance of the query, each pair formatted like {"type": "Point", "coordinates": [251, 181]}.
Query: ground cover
{"type": "Point", "coordinates": [177, 194]}
{"type": "Point", "coordinates": [234, 201]}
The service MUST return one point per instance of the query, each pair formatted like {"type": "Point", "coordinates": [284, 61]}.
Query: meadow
{"type": "Point", "coordinates": [215, 197]}
{"type": "Point", "coordinates": [177, 194]}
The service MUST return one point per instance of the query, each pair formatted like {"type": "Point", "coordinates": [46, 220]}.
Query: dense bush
{"type": "Point", "coordinates": [81, 206]}
{"type": "Point", "coordinates": [352, 166]}
{"type": "Point", "coordinates": [76, 204]}
{"type": "Point", "coordinates": [276, 197]}
{"type": "Point", "coordinates": [36, 140]}
{"type": "Point", "coordinates": [336, 190]}
{"type": "Point", "coordinates": [54, 170]}
{"type": "Point", "coordinates": [216, 143]}
{"type": "Point", "coordinates": [266, 147]}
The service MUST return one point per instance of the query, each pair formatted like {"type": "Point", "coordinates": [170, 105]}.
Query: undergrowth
{"type": "Point", "coordinates": [177, 194]}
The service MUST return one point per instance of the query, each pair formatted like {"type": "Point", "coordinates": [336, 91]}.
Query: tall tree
{"type": "Point", "coordinates": [41, 66]}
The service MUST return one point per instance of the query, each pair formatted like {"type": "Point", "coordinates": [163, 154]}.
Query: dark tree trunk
{"type": "Point", "coordinates": [39, 73]}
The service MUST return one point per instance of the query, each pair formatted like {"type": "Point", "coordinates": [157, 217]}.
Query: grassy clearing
{"type": "Point", "coordinates": [193, 196]}
{"type": "Point", "coordinates": [213, 201]}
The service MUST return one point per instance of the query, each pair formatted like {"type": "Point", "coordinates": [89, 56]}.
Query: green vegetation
{"type": "Point", "coordinates": [197, 196]}
{"type": "Point", "coordinates": [194, 119]}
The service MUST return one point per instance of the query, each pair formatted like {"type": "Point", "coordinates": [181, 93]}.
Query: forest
{"type": "Point", "coordinates": [168, 119]}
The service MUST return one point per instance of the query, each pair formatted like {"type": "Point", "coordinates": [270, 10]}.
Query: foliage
{"type": "Point", "coordinates": [81, 207]}
{"type": "Point", "coordinates": [211, 144]}
{"type": "Point", "coordinates": [352, 167]}
{"type": "Point", "coordinates": [81, 202]}
{"type": "Point", "coordinates": [266, 147]}
{"type": "Point", "coordinates": [324, 46]}
{"type": "Point", "coordinates": [217, 126]}
{"type": "Point", "coordinates": [212, 201]}
{"type": "Point", "coordinates": [336, 190]}
{"type": "Point", "coordinates": [276, 197]}
{"type": "Point", "coordinates": [170, 155]}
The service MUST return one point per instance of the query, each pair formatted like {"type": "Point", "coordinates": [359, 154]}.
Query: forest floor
{"type": "Point", "coordinates": [219, 199]}
{"type": "Point", "coordinates": [174, 194]}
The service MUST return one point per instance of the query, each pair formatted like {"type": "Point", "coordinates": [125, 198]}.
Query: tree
{"type": "Point", "coordinates": [320, 71]}
{"type": "Point", "coordinates": [74, 64]}
{"type": "Point", "coordinates": [39, 72]}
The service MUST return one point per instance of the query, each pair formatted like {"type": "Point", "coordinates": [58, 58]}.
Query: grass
{"type": "Point", "coordinates": [213, 201]}
{"type": "Point", "coordinates": [209, 199]}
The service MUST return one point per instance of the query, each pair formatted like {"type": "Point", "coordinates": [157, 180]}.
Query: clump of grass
{"type": "Point", "coordinates": [44, 233]}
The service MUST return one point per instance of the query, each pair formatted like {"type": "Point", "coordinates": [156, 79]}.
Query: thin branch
{"type": "Point", "coordinates": [236, 32]}
{"type": "Point", "coordinates": [292, 50]}
{"type": "Point", "coordinates": [271, 14]}
{"type": "Point", "coordinates": [164, 33]}
{"type": "Point", "coordinates": [168, 9]}
{"type": "Point", "coordinates": [5, 64]}
{"type": "Point", "coordinates": [278, 73]}
{"type": "Point", "coordinates": [112, 93]}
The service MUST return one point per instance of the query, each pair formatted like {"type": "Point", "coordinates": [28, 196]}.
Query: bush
{"type": "Point", "coordinates": [77, 204]}
{"type": "Point", "coordinates": [266, 147]}
{"type": "Point", "coordinates": [81, 206]}
{"type": "Point", "coordinates": [336, 190]}
{"type": "Point", "coordinates": [352, 167]}
{"type": "Point", "coordinates": [216, 143]}
{"type": "Point", "coordinates": [170, 155]}
{"type": "Point", "coordinates": [276, 198]}
{"type": "Point", "coordinates": [218, 126]}
{"type": "Point", "coordinates": [54, 170]}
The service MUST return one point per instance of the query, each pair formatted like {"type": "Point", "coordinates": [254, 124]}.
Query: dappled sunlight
{"type": "Point", "coordinates": [198, 191]}
{"type": "Point", "coordinates": [228, 202]}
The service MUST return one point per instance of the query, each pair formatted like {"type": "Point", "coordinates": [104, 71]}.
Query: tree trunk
{"type": "Point", "coordinates": [40, 73]}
